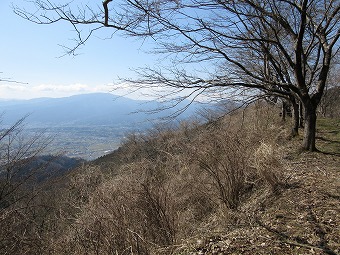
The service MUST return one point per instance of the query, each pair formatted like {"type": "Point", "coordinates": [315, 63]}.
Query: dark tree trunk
{"type": "Point", "coordinates": [283, 111]}
{"type": "Point", "coordinates": [310, 128]}
{"type": "Point", "coordinates": [296, 118]}
{"type": "Point", "coordinates": [301, 122]}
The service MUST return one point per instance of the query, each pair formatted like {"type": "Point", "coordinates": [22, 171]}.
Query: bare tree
{"type": "Point", "coordinates": [16, 153]}
{"type": "Point", "coordinates": [18, 184]}
{"type": "Point", "coordinates": [280, 47]}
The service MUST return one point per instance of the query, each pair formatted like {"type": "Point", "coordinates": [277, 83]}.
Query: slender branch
{"type": "Point", "coordinates": [106, 11]}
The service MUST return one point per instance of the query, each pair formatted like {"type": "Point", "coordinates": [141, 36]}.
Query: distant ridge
{"type": "Point", "coordinates": [82, 110]}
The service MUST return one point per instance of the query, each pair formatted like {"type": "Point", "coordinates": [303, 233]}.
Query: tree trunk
{"type": "Point", "coordinates": [310, 128]}
{"type": "Point", "coordinates": [283, 111]}
{"type": "Point", "coordinates": [301, 122]}
{"type": "Point", "coordinates": [296, 118]}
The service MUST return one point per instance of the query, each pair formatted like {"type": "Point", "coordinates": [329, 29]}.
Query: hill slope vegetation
{"type": "Point", "coordinates": [236, 185]}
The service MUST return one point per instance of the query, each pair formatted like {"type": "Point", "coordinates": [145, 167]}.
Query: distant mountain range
{"type": "Point", "coordinates": [97, 109]}
{"type": "Point", "coordinates": [88, 125]}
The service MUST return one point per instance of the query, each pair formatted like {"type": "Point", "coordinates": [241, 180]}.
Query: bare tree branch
{"type": "Point", "coordinates": [278, 47]}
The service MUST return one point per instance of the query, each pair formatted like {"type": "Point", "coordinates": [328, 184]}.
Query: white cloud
{"type": "Point", "coordinates": [22, 91]}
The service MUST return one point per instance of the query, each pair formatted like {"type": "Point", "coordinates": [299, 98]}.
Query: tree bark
{"type": "Point", "coordinates": [310, 128]}
{"type": "Point", "coordinates": [295, 119]}
{"type": "Point", "coordinates": [283, 111]}
{"type": "Point", "coordinates": [301, 120]}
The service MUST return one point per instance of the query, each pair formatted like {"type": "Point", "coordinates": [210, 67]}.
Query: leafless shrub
{"type": "Point", "coordinates": [268, 166]}
{"type": "Point", "coordinates": [224, 160]}
{"type": "Point", "coordinates": [20, 213]}
{"type": "Point", "coordinates": [163, 186]}
{"type": "Point", "coordinates": [125, 215]}
{"type": "Point", "coordinates": [154, 201]}
{"type": "Point", "coordinates": [259, 121]}
{"type": "Point", "coordinates": [83, 184]}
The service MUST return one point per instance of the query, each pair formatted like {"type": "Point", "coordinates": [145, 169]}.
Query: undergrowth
{"type": "Point", "coordinates": [168, 182]}
{"type": "Point", "coordinates": [173, 190]}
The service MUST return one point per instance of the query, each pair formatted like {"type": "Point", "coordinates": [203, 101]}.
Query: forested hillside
{"type": "Point", "coordinates": [234, 185]}
{"type": "Point", "coordinates": [263, 178]}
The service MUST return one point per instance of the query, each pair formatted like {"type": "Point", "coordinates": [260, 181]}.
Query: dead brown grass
{"type": "Point", "coordinates": [268, 166]}
{"type": "Point", "coordinates": [167, 183]}
{"type": "Point", "coordinates": [223, 187]}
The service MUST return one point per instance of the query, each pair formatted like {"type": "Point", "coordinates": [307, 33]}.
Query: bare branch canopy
{"type": "Point", "coordinates": [283, 47]}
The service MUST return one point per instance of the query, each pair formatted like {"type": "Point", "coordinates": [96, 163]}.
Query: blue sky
{"type": "Point", "coordinates": [30, 53]}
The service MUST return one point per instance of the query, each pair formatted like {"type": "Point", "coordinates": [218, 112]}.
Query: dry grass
{"type": "Point", "coordinates": [268, 165]}
{"type": "Point", "coordinates": [303, 218]}
{"type": "Point", "coordinates": [166, 184]}
{"type": "Point", "coordinates": [199, 189]}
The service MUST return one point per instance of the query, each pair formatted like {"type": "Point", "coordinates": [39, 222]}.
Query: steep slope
{"type": "Point", "coordinates": [232, 186]}
{"type": "Point", "coordinates": [300, 216]}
